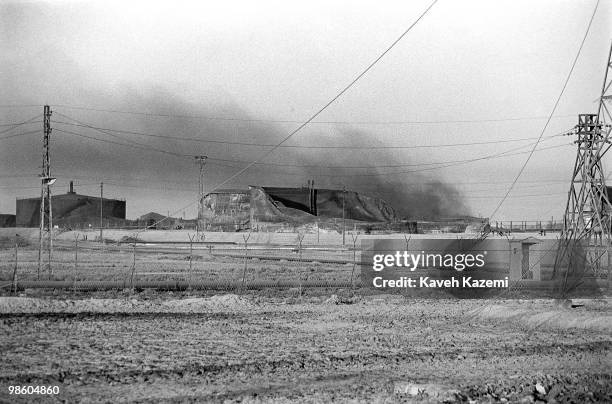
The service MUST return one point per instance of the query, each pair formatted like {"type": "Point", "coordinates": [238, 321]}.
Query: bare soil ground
{"type": "Point", "coordinates": [162, 347]}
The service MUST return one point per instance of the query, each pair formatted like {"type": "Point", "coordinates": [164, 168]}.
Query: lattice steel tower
{"type": "Point", "coordinates": [587, 214]}
{"type": "Point", "coordinates": [587, 226]}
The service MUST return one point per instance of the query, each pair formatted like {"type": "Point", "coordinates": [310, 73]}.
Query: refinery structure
{"type": "Point", "coordinates": [73, 210]}
{"type": "Point", "coordinates": [255, 208]}
{"type": "Point", "coordinates": [270, 208]}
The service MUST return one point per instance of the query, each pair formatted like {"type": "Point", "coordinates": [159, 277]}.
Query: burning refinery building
{"type": "Point", "coordinates": [275, 208]}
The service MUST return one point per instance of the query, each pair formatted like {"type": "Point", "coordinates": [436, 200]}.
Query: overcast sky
{"type": "Point", "coordinates": [249, 72]}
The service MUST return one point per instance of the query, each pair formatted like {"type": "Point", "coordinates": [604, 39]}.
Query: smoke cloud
{"type": "Point", "coordinates": [412, 193]}
{"type": "Point", "coordinates": [39, 71]}
{"type": "Point", "coordinates": [127, 163]}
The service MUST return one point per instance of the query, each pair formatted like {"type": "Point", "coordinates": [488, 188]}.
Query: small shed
{"type": "Point", "coordinates": [525, 259]}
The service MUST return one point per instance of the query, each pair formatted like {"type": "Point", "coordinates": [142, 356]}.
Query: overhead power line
{"type": "Point", "coordinates": [321, 166]}
{"type": "Point", "coordinates": [489, 157]}
{"type": "Point", "coordinates": [31, 120]}
{"type": "Point", "coordinates": [4, 125]}
{"type": "Point", "coordinates": [20, 134]}
{"type": "Point", "coordinates": [140, 146]}
{"type": "Point", "coordinates": [458, 186]}
{"type": "Point", "coordinates": [212, 159]}
{"type": "Point", "coordinates": [387, 173]}
{"type": "Point", "coordinates": [516, 196]}
{"type": "Point", "coordinates": [552, 112]}
{"type": "Point", "coordinates": [340, 122]}
{"type": "Point", "coordinates": [225, 142]}
{"type": "Point", "coordinates": [106, 132]}
{"type": "Point", "coordinates": [137, 146]}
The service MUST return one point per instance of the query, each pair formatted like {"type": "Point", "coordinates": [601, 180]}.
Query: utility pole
{"type": "Point", "coordinates": [46, 213]}
{"type": "Point", "coordinates": [101, 210]}
{"type": "Point", "coordinates": [201, 162]}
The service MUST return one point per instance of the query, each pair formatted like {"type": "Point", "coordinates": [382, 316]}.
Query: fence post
{"type": "Point", "coordinates": [15, 269]}
{"type": "Point", "coordinates": [300, 237]}
{"type": "Point", "coordinates": [354, 237]}
{"type": "Point", "coordinates": [191, 238]}
{"type": "Point", "coordinates": [510, 252]}
{"type": "Point", "coordinates": [133, 264]}
{"type": "Point", "coordinates": [76, 260]}
{"type": "Point", "coordinates": [246, 253]}
{"type": "Point", "coordinates": [299, 246]}
{"type": "Point", "coordinates": [407, 239]}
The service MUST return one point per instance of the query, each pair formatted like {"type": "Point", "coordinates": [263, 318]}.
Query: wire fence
{"type": "Point", "coordinates": [537, 226]}
{"type": "Point", "coordinates": [80, 264]}
{"type": "Point", "coordinates": [84, 264]}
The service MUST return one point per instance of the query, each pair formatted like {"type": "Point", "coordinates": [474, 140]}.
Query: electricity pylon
{"type": "Point", "coordinates": [587, 227]}
{"type": "Point", "coordinates": [46, 213]}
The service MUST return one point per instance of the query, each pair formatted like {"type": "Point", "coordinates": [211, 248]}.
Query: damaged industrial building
{"type": "Point", "coordinates": [277, 208]}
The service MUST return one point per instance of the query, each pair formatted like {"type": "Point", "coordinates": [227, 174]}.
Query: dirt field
{"type": "Point", "coordinates": [163, 347]}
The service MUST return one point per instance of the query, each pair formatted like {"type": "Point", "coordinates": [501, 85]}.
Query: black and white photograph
{"type": "Point", "coordinates": [305, 201]}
